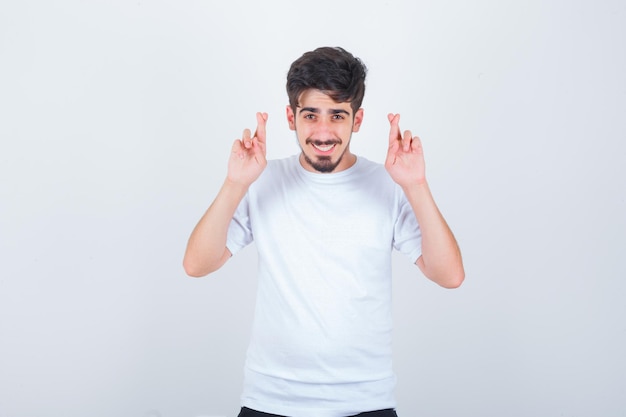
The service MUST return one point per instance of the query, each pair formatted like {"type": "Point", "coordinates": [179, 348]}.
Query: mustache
{"type": "Point", "coordinates": [326, 142]}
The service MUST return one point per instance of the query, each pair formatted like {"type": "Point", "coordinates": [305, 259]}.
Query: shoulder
{"type": "Point", "coordinates": [372, 171]}
{"type": "Point", "coordinates": [282, 165]}
{"type": "Point", "coordinates": [374, 176]}
{"type": "Point", "coordinates": [276, 172]}
{"type": "Point", "coordinates": [280, 169]}
{"type": "Point", "coordinates": [370, 166]}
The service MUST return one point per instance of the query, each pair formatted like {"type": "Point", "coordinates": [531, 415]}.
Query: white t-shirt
{"type": "Point", "coordinates": [321, 338]}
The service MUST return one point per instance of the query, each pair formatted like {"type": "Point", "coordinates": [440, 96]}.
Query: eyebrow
{"type": "Point", "coordinates": [317, 111]}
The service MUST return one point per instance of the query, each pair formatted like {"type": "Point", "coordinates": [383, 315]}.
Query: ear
{"type": "Point", "coordinates": [358, 119]}
{"type": "Point", "coordinates": [291, 118]}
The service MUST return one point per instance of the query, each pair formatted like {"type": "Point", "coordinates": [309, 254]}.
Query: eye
{"type": "Point", "coordinates": [338, 117]}
{"type": "Point", "coordinates": [309, 116]}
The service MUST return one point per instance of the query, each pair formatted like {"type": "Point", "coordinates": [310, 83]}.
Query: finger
{"type": "Point", "coordinates": [394, 130]}
{"type": "Point", "coordinates": [416, 144]}
{"type": "Point", "coordinates": [261, 121]}
{"type": "Point", "coordinates": [258, 150]}
{"type": "Point", "coordinates": [237, 149]}
{"type": "Point", "coordinates": [406, 141]}
{"type": "Point", "coordinates": [247, 141]}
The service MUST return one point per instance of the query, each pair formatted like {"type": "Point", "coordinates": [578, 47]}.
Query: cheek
{"type": "Point", "coordinates": [346, 131]}
{"type": "Point", "coordinates": [301, 132]}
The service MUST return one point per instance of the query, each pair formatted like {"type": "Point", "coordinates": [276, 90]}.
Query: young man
{"type": "Point", "coordinates": [325, 223]}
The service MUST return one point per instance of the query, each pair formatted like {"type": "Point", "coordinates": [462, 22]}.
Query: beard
{"type": "Point", "coordinates": [321, 163]}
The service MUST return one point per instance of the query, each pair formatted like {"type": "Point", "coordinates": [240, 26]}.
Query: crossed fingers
{"type": "Point", "coordinates": [407, 142]}
{"type": "Point", "coordinates": [259, 133]}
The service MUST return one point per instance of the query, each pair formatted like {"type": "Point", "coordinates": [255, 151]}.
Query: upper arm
{"type": "Point", "coordinates": [445, 280]}
{"type": "Point", "coordinates": [420, 264]}
{"type": "Point", "coordinates": [198, 273]}
{"type": "Point", "coordinates": [225, 257]}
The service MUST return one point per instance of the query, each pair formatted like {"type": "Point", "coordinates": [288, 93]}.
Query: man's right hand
{"type": "Point", "coordinates": [206, 250]}
{"type": "Point", "coordinates": [247, 158]}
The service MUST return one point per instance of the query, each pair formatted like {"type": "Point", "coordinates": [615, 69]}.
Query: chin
{"type": "Point", "coordinates": [322, 164]}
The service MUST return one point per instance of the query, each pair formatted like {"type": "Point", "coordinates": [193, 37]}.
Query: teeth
{"type": "Point", "coordinates": [324, 148]}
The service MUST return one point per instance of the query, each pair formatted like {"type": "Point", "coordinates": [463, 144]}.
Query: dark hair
{"type": "Point", "coordinates": [334, 71]}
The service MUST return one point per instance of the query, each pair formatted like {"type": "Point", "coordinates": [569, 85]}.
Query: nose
{"type": "Point", "coordinates": [322, 128]}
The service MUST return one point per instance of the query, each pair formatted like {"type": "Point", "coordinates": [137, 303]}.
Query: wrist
{"type": "Point", "coordinates": [420, 186]}
{"type": "Point", "coordinates": [235, 187]}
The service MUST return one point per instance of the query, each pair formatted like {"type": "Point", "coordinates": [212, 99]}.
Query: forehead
{"type": "Point", "coordinates": [321, 101]}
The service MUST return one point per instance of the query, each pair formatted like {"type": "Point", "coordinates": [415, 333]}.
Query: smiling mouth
{"type": "Point", "coordinates": [324, 148]}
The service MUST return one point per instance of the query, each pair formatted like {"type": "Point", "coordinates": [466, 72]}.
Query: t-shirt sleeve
{"type": "Point", "coordinates": [239, 230]}
{"type": "Point", "coordinates": [407, 236]}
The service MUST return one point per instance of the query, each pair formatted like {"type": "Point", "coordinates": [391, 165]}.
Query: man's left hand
{"type": "Point", "coordinates": [405, 157]}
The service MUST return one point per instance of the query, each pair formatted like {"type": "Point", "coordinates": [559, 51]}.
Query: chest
{"type": "Point", "coordinates": [333, 217]}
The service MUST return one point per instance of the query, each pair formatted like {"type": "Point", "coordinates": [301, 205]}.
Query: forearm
{"type": "Point", "coordinates": [206, 249]}
{"type": "Point", "coordinates": [441, 257]}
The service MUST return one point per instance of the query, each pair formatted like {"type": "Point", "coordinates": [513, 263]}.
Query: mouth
{"type": "Point", "coordinates": [325, 149]}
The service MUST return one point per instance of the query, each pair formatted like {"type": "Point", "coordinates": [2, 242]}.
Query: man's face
{"type": "Point", "coordinates": [324, 128]}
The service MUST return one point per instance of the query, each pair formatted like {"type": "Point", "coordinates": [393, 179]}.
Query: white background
{"type": "Point", "coordinates": [116, 119]}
